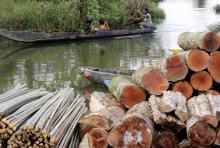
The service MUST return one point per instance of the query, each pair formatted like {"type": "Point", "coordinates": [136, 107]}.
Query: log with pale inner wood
{"type": "Point", "coordinates": [208, 41]}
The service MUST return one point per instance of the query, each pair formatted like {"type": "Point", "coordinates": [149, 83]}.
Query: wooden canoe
{"type": "Point", "coordinates": [37, 37]}
{"type": "Point", "coordinates": [99, 76]}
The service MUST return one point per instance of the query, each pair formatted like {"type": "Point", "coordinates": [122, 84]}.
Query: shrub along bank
{"type": "Point", "coordinates": [70, 15]}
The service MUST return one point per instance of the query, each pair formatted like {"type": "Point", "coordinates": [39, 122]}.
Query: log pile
{"type": "Point", "coordinates": [37, 118]}
{"type": "Point", "coordinates": [180, 108]}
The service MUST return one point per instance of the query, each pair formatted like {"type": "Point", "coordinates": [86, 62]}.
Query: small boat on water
{"type": "Point", "coordinates": [37, 37]}
{"type": "Point", "coordinates": [100, 76]}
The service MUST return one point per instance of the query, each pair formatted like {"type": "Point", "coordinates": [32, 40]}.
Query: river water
{"type": "Point", "coordinates": [55, 65]}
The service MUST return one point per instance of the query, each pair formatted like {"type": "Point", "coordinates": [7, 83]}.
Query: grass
{"type": "Point", "coordinates": [67, 15]}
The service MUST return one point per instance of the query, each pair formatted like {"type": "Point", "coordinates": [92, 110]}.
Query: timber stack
{"type": "Point", "coordinates": [37, 118]}
{"type": "Point", "coordinates": [173, 103]}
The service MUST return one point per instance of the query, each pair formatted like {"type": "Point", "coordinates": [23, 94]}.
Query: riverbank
{"type": "Point", "coordinates": [53, 16]}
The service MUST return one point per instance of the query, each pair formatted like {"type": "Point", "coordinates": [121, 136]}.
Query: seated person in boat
{"type": "Point", "coordinates": [103, 26]}
{"type": "Point", "coordinates": [145, 19]}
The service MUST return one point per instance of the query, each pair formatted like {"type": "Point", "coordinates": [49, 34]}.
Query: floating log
{"type": "Point", "coordinates": [164, 140]}
{"type": "Point", "coordinates": [135, 130]}
{"type": "Point", "coordinates": [197, 60]}
{"type": "Point", "coordinates": [214, 65]}
{"type": "Point", "coordinates": [184, 88]}
{"type": "Point", "coordinates": [167, 121]}
{"type": "Point", "coordinates": [96, 138]}
{"type": "Point", "coordinates": [106, 118]}
{"type": "Point", "coordinates": [126, 92]}
{"type": "Point", "coordinates": [201, 81]}
{"type": "Point", "coordinates": [99, 101]}
{"type": "Point", "coordinates": [174, 68]}
{"type": "Point", "coordinates": [201, 107]}
{"type": "Point", "coordinates": [208, 41]}
{"type": "Point", "coordinates": [151, 79]}
{"type": "Point", "coordinates": [174, 101]}
{"type": "Point", "coordinates": [200, 133]}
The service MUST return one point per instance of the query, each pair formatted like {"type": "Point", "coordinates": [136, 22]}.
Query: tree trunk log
{"type": "Point", "coordinates": [201, 81]}
{"type": "Point", "coordinates": [184, 88]}
{"type": "Point", "coordinates": [214, 101]}
{"type": "Point", "coordinates": [217, 139]}
{"type": "Point", "coordinates": [126, 92]}
{"type": "Point", "coordinates": [135, 130]}
{"type": "Point", "coordinates": [200, 107]}
{"type": "Point", "coordinates": [96, 138]}
{"type": "Point", "coordinates": [174, 68]}
{"type": "Point", "coordinates": [197, 60]}
{"type": "Point", "coordinates": [174, 101]}
{"type": "Point", "coordinates": [207, 41]}
{"type": "Point", "coordinates": [99, 101]}
{"type": "Point", "coordinates": [187, 144]}
{"type": "Point", "coordinates": [214, 65]}
{"type": "Point", "coordinates": [151, 79]}
{"type": "Point", "coordinates": [164, 140]}
{"type": "Point", "coordinates": [168, 122]}
{"type": "Point", "coordinates": [212, 92]}
{"type": "Point", "coordinates": [200, 133]}
{"type": "Point", "coordinates": [105, 119]}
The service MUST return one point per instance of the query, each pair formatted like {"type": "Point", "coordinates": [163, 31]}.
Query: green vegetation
{"type": "Point", "coordinates": [217, 8]}
{"type": "Point", "coordinates": [69, 15]}
{"type": "Point", "coordinates": [215, 27]}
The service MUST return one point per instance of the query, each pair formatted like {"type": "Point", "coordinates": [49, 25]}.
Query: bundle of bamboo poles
{"type": "Point", "coordinates": [181, 103]}
{"type": "Point", "coordinates": [53, 124]}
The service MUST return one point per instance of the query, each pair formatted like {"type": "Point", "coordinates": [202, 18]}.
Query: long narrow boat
{"type": "Point", "coordinates": [36, 37]}
{"type": "Point", "coordinates": [100, 76]}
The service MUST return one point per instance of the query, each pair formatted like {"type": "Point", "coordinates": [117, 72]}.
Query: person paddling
{"type": "Point", "coordinates": [102, 26]}
{"type": "Point", "coordinates": [145, 19]}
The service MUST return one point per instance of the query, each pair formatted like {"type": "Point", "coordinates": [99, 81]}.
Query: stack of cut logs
{"type": "Point", "coordinates": [174, 103]}
{"type": "Point", "coordinates": [37, 118]}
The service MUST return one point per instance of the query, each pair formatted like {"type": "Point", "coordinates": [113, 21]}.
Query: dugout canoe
{"type": "Point", "coordinates": [99, 76]}
{"type": "Point", "coordinates": [39, 37]}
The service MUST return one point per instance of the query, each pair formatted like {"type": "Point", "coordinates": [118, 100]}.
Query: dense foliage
{"type": "Point", "coordinates": [69, 15]}
{"type": "Point", "coordinates": [217, 8]}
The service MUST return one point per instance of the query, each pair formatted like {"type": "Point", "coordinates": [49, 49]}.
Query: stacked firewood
{"type": "Point", "coordinates": [173, 103]}
{"type": "Point", "coordinates": [37, 118]}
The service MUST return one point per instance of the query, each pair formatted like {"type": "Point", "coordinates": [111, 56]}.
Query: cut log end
{"type": "Point", "coordinates": [132, 95]}
{"type": "Point", "coordinates": [176, 68]}
{"type": "Point", "coordinates": [201, 81]}
{"type": "Point", "coordinates": [132, 132]}
{"type": "Point", "coordinates": [197, 60]}
{"type": "Point", "coordinates": [96, 121]}
{"type": "Point", "coordinates": [211, 42]}
{"type": "Point", "coordinates": [184, 88]}
{"type": "Point", "coordinates": [155, 82]}
{"type": "Point", "coordinates": [164, 140]}
{"type": "Point", "coordinates": [214, 65]}
{"type": "Point", "coordinates": [201, 134]}
{"type": "Point", "coordinates": [97, 138]}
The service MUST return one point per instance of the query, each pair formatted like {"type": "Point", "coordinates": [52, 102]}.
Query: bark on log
{"type": "Point", "coordinates": [174, 68]}
{"type": "Point", "coordinates": [212, 92]}
{"type": "Point", "coordinates": [105, 119]}
{"type": "Point", "coordinates": [168, 122]}
{"type": "Point", "coordinates": [214, 65]}
{"type": "Point", "coordinates": [174, 101]}
{"type": "Point", "coordinates": [197, 60]}
{"type": "Point", "coordinates": [184, 88]}
{"type": "Point", "coordinates": [135, 130]}
{"type": "Point", "coordinates": [200, 133]}
{"type": "Point", "coordinates": [151, 79]}
{"type": "Point", "coordinates": [214, 101]}
{"type": "Point", "coordinates": [200, 107]}
{"type": "Point", "coordinates": [99, 101]}
{"type": "Point", "coordinates": [164, 140]}
{"type": "Point", "coordinates": [96, 138]}
{"type": "Point", "coordinates": [126, 92]}
{"type": "Point", "coordinates": [207, 41]}
{"type": "Point", "coordinates": [201, 81]}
